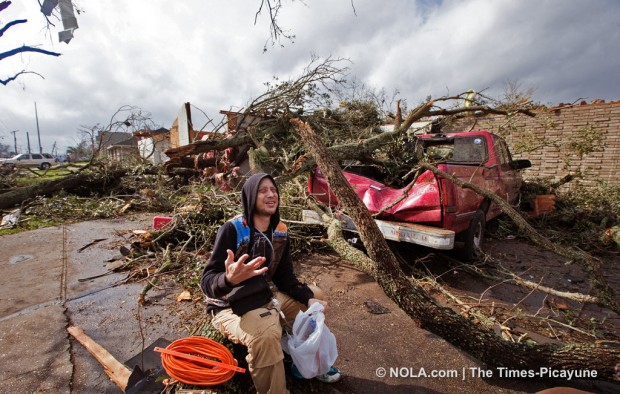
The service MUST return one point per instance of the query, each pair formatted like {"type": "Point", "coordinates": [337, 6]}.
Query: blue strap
{"type": "Point", "coordinates": [243, 231]}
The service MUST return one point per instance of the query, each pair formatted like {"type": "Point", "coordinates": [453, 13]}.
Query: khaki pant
{"type": "Point", "coordinates": [261, 330]}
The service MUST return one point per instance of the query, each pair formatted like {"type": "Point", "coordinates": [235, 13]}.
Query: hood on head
{"type": "Point", "coordinates": [248, 199]}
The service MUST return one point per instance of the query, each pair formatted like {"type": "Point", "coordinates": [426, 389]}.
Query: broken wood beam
{"type": "Point", "coordinates": [116, 371]}
{"type": "Point", "coordinates": [206, 146]}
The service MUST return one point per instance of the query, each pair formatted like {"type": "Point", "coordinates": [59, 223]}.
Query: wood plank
{"type": "Point", "coordinates": [117, 372]}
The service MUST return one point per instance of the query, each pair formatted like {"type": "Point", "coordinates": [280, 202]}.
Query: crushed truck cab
{"type": "Point", "coordinates": [433, 211]}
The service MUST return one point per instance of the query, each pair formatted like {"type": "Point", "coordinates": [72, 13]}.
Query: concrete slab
{"type": "Point", "coordinates": [40, 295]}
{"type": "Point", "coordinates": [34, 352]}
{"type": "Point", "coordinates": [31, 266]}
{"type": "Point", "coordinates": [113, 319]}
{"type": "Point", "coordinates": [107, 312]}
{"type": "Point", "coordinates": [86, 261]}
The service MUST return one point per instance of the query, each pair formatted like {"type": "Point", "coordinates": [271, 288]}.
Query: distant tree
{"type": "Point", "coordinates": [22, 49]}
{"type": "Point", "coordinates": [515, 95]}
{"type": "Point", "coordinates": [82, 151]}
{"type": "Point", "coordinates": [5, 150]}
{"type": "Point", "coordinates": [91, 139]}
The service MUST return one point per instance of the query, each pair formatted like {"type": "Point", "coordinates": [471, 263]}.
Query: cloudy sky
{"type": "Point", "coordinates": [158, 54]}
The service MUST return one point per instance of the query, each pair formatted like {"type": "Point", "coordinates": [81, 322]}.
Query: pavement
{"type": "Point", "coordinates": [41, 294]}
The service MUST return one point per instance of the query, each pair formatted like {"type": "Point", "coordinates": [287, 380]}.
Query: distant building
{"type": "Point", "coordinates": [117, 146]}
{"type": "Point", "coordinates": [152, 144]}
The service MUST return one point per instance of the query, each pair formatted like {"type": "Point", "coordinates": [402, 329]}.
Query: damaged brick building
{"type": "Point", "coordinates": [555, 136]}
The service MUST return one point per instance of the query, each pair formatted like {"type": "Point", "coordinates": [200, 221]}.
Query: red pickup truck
{"type": "Point", "coordinates": [435, 212]}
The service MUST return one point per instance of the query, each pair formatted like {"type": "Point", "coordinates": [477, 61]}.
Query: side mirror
{"type": "Point", "coordinates": [520, 164]}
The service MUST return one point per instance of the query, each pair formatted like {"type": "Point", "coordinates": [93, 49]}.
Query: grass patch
{"type": "Point", "coordinates": [31, 223]}
{"type": "Point", "coordinates": [27, 177]}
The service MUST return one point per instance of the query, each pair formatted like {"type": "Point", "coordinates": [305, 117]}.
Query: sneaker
{"type": "Point", "coordinates": [332, 376]}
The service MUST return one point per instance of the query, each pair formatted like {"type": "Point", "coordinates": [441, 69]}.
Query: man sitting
{"type": "Point", "coordinates": [246, 298]}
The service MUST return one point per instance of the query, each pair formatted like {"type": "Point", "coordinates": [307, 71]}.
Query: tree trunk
{"type": "Point", "coordinates": [458, 330]}
{"type": "Point", "coordinates": [48, 188]}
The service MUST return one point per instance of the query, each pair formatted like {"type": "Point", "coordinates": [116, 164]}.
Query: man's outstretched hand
{"type": "Point", "coordinates": [238, 271]}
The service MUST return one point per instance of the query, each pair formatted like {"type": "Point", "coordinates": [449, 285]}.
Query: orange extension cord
{"type": "Point", "coordinates": [198, 361]}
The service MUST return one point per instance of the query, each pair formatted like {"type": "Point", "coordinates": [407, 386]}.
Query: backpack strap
{"type": "Point", "coordinates": [280, 236]}
{"type": "Point", "coordinates": [243, 231]}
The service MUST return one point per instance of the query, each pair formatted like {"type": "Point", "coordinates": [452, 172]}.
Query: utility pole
{"type": "Point", "coordinates": [38, 133]}
{"type": "Point", "coordinates": [28, 138]}
{"type": "Point", "coordinates": [15, 139]}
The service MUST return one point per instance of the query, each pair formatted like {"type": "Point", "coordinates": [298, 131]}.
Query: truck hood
{"type": "Point", "coordinates": [419, 202]}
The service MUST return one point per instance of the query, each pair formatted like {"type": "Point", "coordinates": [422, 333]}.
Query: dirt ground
{"type": "Point", "coordinates": [528, 314]}
{"type": "Point", "coordinates": [532, 311]}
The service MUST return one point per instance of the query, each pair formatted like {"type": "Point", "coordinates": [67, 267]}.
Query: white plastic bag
{"type": "Point", "coordinates": [311, 345]}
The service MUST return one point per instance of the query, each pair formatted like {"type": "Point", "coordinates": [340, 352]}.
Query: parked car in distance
{"type": "Point", "coordinates": [40, 160]}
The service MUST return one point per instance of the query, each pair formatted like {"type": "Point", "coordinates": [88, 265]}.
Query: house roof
{"type": "Point", "coordinates": [125, 143]}
{"type": "Point", "coordinates": [108, 138]}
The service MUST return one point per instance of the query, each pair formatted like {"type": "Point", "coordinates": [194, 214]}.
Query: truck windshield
{"type": "Point", "coordinates": [463, 150]}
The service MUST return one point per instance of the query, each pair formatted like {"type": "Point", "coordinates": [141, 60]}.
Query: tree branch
{"type": "Point", "coordinates": [14, 77]}
{"type": "Point", "coordinates": [4, 5]}
{"type": "Point", "coordinates": [11, 23]}
{"type": "Point", "coordinates": [26, 48]}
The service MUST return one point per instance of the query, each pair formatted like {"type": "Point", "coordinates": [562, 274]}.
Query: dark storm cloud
{"type": "Point", "coordinates": [155, 56]}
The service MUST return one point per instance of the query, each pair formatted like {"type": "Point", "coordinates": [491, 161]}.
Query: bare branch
{"type": "Point", "coordinates": [26, 48]}
{"type": "Point", "coordinates": [11, 23]}
{"type": "Point", "coordinates": [273, 8]}
{"type": "Point", "coordinates": [4, 5]}
{"type": "Point", "coordinates": [14, 77]}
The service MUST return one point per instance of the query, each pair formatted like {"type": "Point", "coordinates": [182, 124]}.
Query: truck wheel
{"type": "Point", "coordinates": [45, 166]}
{"type": "Point", "coordinates": [474, 236]}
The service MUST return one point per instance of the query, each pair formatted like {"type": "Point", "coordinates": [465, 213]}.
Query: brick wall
{"type": "Point", "coordinates": [552, 139]}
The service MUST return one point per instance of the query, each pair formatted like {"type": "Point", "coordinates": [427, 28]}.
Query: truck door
{"type": "Point", "coordinates": [509, 179]}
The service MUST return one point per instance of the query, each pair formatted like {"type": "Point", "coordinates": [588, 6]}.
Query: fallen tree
{"type": "Point", "coordinates": [480, 342]}
{"type": "Point", "coordinates": [282, 154]}
{"type": "Point", "coordinates": [289, 161]}
{"type": "Point", "coordinates": [88, 181]}
{"type": "Point", "coordinates": [352, 133]}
